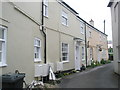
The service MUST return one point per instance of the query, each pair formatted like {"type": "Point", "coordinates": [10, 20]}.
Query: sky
{"type": "Point", "coordinates": [96, 10]}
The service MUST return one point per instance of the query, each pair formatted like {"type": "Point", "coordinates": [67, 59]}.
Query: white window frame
{"type": "Point", "coordinates": [65, 52]}
{"type": "Point", "coordinates": [91, 53]}
{"type": "Point", "coordinates": [83, 53]}
{"type": "Point", "coordinates": [90, 34]}
{"type": "Point", "coordinates": [37, 59]}
{"type": "Point", "coordinates": [64, 16]}
{"type": "Point", "coordinates": [82, 28]}
{"type": "Point", "coordinates": [45, 6]}
{"type": "Point", "coordinates": [3, 52]}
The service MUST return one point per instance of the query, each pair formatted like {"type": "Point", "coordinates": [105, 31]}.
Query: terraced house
{"type": "Point", "coordinates": [34, 35]}
{"type": "Point", "coordinates": [97, 44]}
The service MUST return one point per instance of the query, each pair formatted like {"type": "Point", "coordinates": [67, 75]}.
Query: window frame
{"type": "Point", "coordinates": [45, 7]}
{"type": "Point", "coordinates": [83, 52]}
{"type": "Point", "coordinates": [66, 51]}
{"type": "Point", "coordinates": [37, 59]}
{"type": "Point", "coordinates": [90, 34]}
{"type": "Point", "coordinates": [91, 53]}
{"type": "Point", "coordinates": [65, 17]}
{"type": "Point", "coordinates": [82, 28]}
{"type": "Point", "coordinates": [4, 46]}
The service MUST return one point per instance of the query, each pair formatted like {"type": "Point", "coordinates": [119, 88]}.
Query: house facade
{"type": "Point", "coordinates": [97, 44]}
{"type": "Point", "coordinates": [23, 40]}
{"type": "Point", "coordinates": [21, 36]}
{"type": "Point", "coordinates": [34, 35]}
{"type": "Point", "coordinates": [115, 13]}
{"type": "Point", "coordinates": [65, 33]}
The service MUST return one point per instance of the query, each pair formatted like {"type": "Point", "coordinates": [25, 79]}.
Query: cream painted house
{"type": "Point", "coordinates": [115, 14]}
{"type": "Point", "coordinates": [22, 38]}
{"type": "Point", "coordinates": [97, 44]}
{"type": "Point", "coordinates": [34, 35]}
{"type": "Point", "coordinates": [65, 33]}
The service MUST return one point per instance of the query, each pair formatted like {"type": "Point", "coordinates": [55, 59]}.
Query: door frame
{"type": "Point", "coordinates": [76, 66]}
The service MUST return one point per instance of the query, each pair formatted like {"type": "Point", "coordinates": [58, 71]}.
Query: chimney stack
{"type": "Point", "coordinates": [91, 22]}
{"type": "Point", "coordinates": [104, 26]}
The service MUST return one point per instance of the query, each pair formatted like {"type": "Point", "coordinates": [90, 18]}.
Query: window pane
{"type": "Point", "coordinates": [64, 58]}
{"type": "Point", "coordinates": [35, 49]}
{"type": "Point", "coordinates": [1, 33]}
{"type": "Point", "coordinates": [35, 55]}
{"type": "Point", "coordinates": [0, 46]}
{"type": "Point", "coordinates": [38, 49]}
{"type": "Point", "coordinates": [38, 43]}
{"type": "Point", "coordinates": [64, 49]}
{"type": "Point", "coordinates": [64, 21]}
{"type": "Point", "coordinates": [64, 14]}
{"type": "Point", "coordinates": [0, 56]}
{"type": "Point", "coordinates": [45, 10]}
{"type": "Point", "coordinates": [64, 54]}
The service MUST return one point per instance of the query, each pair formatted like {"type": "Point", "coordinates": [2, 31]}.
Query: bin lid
{"type": "Point", "coordinates": [12, 77]}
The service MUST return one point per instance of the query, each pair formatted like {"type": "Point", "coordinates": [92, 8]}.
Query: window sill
{"type": "Point", "coordinates": [37, 61]}
{"type": "Point", "coordinates": [64, 25]}
{"type": "Point", "coordinates": [46, 16]}
{"type": "Point", "coordinates": [65, 61]}
{"type": "Point", "coordinates": [3, 65]}
{"type": "Point", "coordinates": [83, 59]}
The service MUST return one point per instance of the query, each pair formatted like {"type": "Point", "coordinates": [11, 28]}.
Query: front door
{"type": "Point", "coordinates": [77, 58]}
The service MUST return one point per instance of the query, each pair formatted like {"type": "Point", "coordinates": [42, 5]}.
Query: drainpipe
{"type": "Point", "coordinates": [43, 32]}
{"type": "Point", "coordinates": [86, 44]}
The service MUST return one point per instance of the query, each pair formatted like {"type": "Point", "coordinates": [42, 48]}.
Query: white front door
{"type": "Point", "coordinates": [77, 58]}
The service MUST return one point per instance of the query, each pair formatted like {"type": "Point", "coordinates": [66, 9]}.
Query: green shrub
{"type": "Point", "coordinates": [103, 61]}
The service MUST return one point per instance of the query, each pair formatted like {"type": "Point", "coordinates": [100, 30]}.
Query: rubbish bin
{"type": "Point", "coordinates": [13, 80]}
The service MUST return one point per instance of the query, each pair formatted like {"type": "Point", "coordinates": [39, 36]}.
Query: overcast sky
{"type": "Point", "coordinates": [96, 10]}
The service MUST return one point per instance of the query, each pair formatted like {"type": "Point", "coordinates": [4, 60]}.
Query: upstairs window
{"type": "Point", "coordinates": [45, 6]}
{"type": "Point", "coordinates": [3, 34]}
{"type": "Point", "coordinates": [90, 34]}
{"type": "Point", "coordinates": [65, 52]}
{"type": "Point", "coordinates": [37, 50]}
{"type": "Point", "coordinates": [64, 18]}
{"type": "Point", "coordinates": [82, 28]}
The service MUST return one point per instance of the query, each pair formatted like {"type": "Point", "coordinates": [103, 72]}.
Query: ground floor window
{"type": "Point", "coordinates": [3, 33]}
{"type": "Point", "coordinates": [65, 52]}
{"type": "Point", "coordinates": [91, 53]}
{"type": "Point", "coordinates": [37, 50]}
{"type": "Point", "coordinates": [83, 53]}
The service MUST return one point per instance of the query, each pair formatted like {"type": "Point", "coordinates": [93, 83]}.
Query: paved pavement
{"type": "Point", "coordinates": [99, 77]}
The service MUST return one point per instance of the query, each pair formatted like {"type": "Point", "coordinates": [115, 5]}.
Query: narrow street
{"type": "Point", "coordinates": [99, 77]}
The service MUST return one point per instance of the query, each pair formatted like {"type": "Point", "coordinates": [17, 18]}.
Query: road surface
{"type": "Point", "coordinates": [99, 77]}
